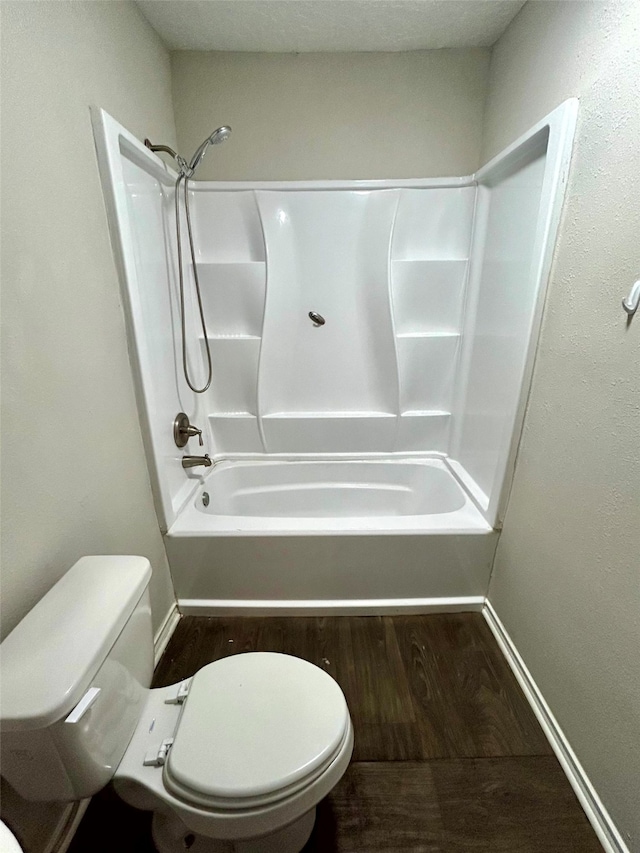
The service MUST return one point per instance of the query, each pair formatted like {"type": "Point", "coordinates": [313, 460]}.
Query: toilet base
{"type": "Point", "coordinates": [170, 835]}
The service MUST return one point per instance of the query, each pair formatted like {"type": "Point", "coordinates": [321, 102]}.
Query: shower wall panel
{"type": "Point", "coordinates": [520, 194]}
{"type": "Point", "coordinates": [328, 252]}
{"type": "Point", "coordinates": [504, 290]}
{"type": "Point", "coordinates": [154, 311]}
{"type": "Point", "coordinates": [385, 268]}
{"type": "Point", "coordinates": [140, 195]}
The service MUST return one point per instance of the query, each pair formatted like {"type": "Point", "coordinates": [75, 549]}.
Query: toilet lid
{"type": "Point", "coordinates": [252, 725]}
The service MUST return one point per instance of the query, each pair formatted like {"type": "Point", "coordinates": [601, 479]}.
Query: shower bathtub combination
{"type": "Point", "coordinates": [371, 346]}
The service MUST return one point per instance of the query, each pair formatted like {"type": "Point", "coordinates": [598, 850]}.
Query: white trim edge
{"type": "Point", "coordinates": [593, 806]}
{"type": "Point", "coordinates": [165, 632]}
{"type": "Point", "coordinates": [332, 607]}
{"type": "Point", "coordinates": [62, 835]}
{"type": "Point", "coordinates": [451, 182]}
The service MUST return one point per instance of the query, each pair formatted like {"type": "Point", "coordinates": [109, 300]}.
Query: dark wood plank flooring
{"type": "Point", "coordinates": [448, 755]}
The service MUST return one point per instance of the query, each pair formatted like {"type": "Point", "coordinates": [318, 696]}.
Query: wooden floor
{"type": "Point", "coordinates": [448, 755]}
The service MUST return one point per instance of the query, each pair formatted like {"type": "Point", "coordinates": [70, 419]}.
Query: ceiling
{"type": "Point", "coordinates": [298, 26]}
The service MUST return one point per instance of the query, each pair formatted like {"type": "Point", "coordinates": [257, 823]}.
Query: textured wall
{"type": "Point", "coordinates": [280, 26]}
{"type": "Point", "coordinates": [566, 579]}
{"type": "Point", "coordinates": [346, 115]}
{"type": "Point", "coordinates": [74, 476]}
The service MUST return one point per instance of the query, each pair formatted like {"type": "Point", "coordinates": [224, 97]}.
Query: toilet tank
{"type": "Point", "coordinates": [75, 674]}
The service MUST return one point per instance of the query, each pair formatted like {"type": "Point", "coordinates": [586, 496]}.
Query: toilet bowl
{"type": "Point", "coordinates": [234, 758]}
{"type": "Point", "coordinates": [8, 841]}
{"type": "Point", "coordinates": [260, 740]}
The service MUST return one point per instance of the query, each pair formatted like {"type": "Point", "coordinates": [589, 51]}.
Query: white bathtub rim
{"type": "Point", "coordinates": [467, 522]}
{"type": "Point", "coordinates": [347, 456]}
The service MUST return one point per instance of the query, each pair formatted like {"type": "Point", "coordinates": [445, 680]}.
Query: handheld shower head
{"type": "Point", "coordinates": [221, 134]}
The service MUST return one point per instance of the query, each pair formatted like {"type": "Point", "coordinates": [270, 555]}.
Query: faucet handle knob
{"type": "Point", "coordinates": [191, 431]}
{"type": "Point", "coordinates": [183, 430]}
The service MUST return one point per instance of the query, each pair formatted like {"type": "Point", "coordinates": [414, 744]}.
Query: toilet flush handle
{"type": "Point", "coordinates": [83, 705]}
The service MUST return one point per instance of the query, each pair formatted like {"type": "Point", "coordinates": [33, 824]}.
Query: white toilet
{"type": "Point", "coordinates": [234, 759]}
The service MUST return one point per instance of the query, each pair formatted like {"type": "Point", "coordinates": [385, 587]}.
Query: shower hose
{"type": "Point", "coordinates": [184, 178]}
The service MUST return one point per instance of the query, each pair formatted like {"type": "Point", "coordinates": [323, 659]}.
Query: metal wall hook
{"type": "Point", "coordinates": [631, 303]}
{"type": "Point", "coordinates": [318, 319]}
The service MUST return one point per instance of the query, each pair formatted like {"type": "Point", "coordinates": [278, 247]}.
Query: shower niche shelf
{"type": "Point", "coordinates": [234, 337]}
{"type": "Point", "coordinates": [433, 224]}
{"type": "Point", "coordinates": [328, 415]}
{"type": "Point", "coordinates": [427, 295]}
{"type": "Point", "coordinates": [231, 265]}
{"type": "Point", "coordinates": [235, 372]}
{"type": "Point", "coordinates": [422, 413]}
{"type": "Point", "coordinates": [405, 335]}
{"type": "Point", "coordinates": [236, 432]}
{"type": "Point", "coordinates": [227, 415]}
{"type": "Point", "coordinates": [418, 430]}
{"type": "Point", "coordinates": [233, 297]}
{"type": "Point", "coordinates": [227, 226]}
{"type": "Point", "coordinates": [426, 369]}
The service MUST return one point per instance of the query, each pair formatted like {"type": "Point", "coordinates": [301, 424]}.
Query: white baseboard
{"type": "Point", "coordinates": [164, 633]}
{"type": "Point", "coordinates": [66, 828]}
{"type": "Point", "coordinates": [593, 806]}
{"type": "Point", "coordinates": [333, 607]}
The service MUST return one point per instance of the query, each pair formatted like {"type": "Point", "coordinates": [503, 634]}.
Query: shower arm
{"type": "Point", "coordinates": [185, 169]}
{"type": "Point", "coordinates": [164, 148]}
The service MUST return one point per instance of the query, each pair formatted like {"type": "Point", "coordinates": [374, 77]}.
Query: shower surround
{"type": "Point", "coordinates": [362, 463]}
{"type": "Point", "coordinates": [385, 268]}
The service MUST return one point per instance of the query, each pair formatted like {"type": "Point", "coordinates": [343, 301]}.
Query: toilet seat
{"type": "Point", "coordinates": [255, 728]}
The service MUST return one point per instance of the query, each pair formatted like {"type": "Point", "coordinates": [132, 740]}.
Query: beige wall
{"type": "Point", "coordinates": [74, 477]}
{"type": "Point", "coordinates": [342, 115]}
{"type": "Point", "coordinates": [566, 580]}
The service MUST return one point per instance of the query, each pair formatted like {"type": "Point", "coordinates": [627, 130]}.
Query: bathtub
{"type": "Point", "coordinates": [297, 497]}
{"type": "Point", "coordinates": [339, 535]}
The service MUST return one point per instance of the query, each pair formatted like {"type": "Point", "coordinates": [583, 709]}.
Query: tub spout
{"type": "Point", "coordinates": [194, 461]}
